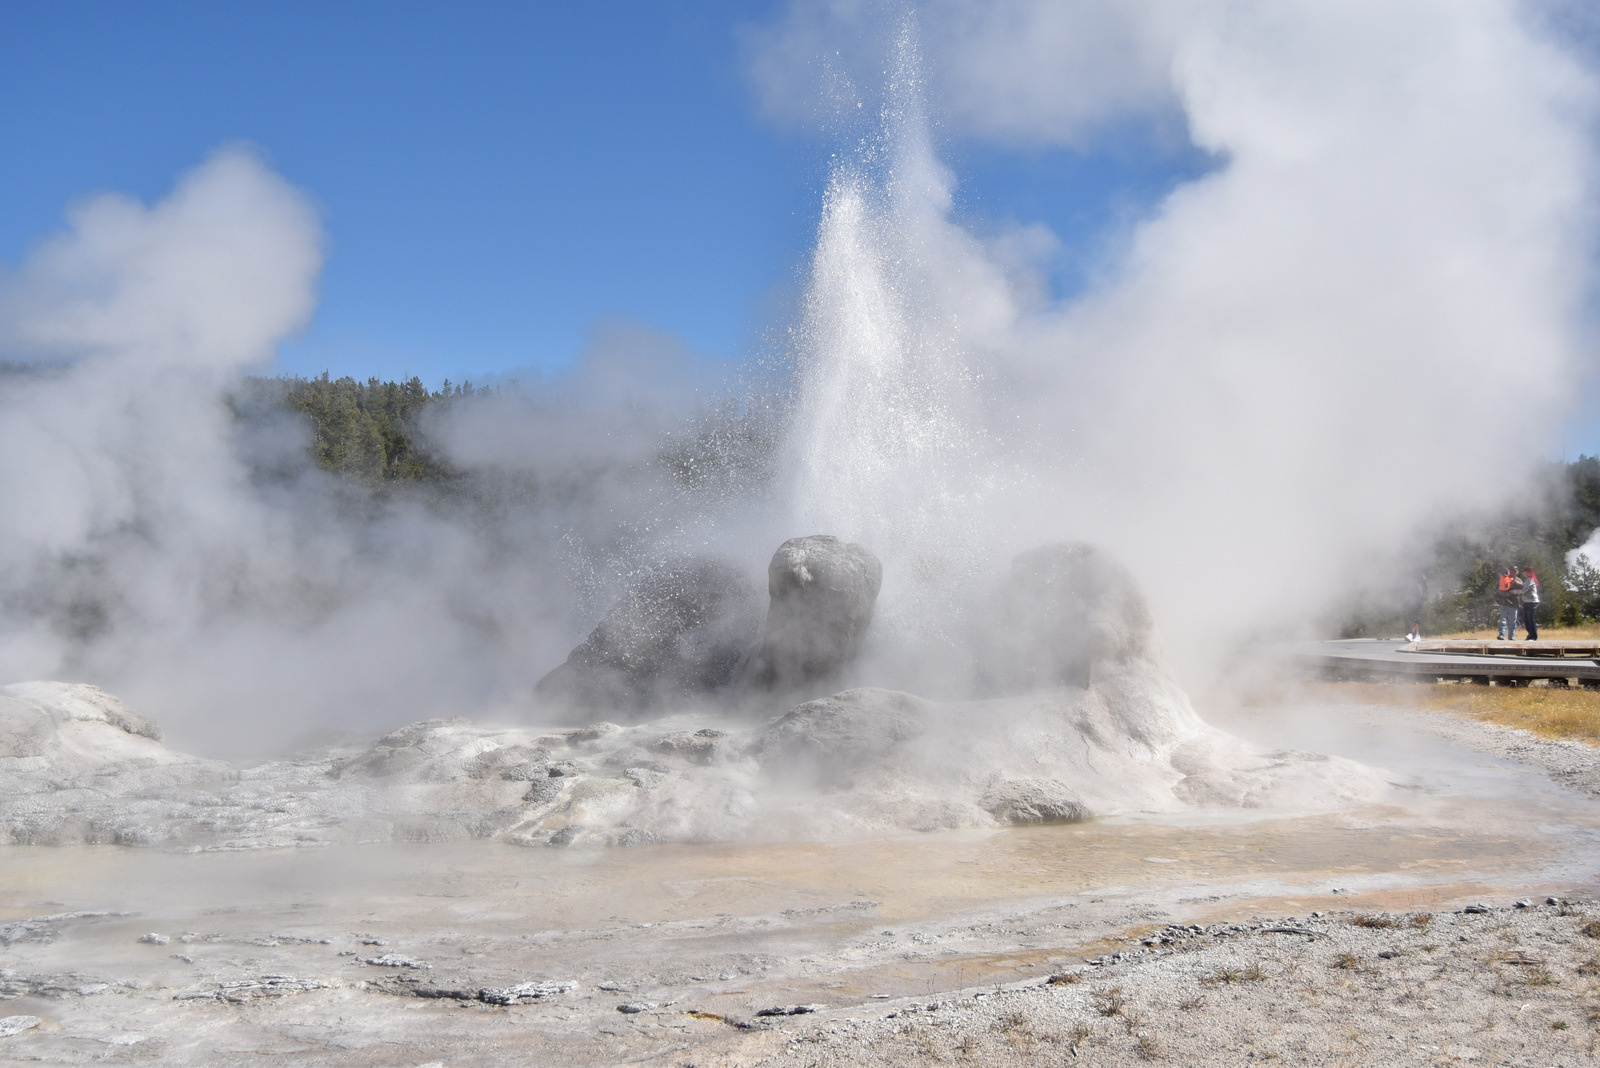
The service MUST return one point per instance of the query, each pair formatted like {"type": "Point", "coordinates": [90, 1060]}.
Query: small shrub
{"type": "Point", "coordinates": [1422, 920]}
{"type": "Point", "coordinates": [1110, 1002]}
{"type": "Point", "coordinates": [1377, 922]}
{"type": "Point", "coordinates": [1541, 976]}
{"type": "Point", "coordinates": [1346, 961]}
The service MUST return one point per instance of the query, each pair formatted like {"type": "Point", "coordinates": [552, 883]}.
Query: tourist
{"type": "Point", "coordinates": [1530, 603]}
{"type": "Point", "coordinates": [1506, 596]}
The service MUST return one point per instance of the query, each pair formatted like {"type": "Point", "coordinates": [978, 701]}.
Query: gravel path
{"type": "Point", "coordinates": [1503, 986]}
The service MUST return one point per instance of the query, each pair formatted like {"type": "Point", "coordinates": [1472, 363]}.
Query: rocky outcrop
{"type": "Point", "coordinates": [681, 631]}
{"type": "Point", "coordinates": [823, 591]}
{"type": "Point", "coordinates": [835, 735]}
{"type": "Point", "coordinates": [1061, 614]}
{"type": "Point", "coordinates": [1021, 801]}
{"type": "Point", "coordinates": [62, 720]}
{"type": "Point", "coordinates": [863, 761]}
{"type": "Point", "coordinates": [1079, 718]}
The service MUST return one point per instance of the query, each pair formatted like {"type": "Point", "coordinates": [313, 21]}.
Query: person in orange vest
{"type": "Point", "coordinates": [1508, 597]}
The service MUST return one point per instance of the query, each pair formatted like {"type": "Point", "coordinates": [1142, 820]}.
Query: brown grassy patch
{"type": "Point", "coordinates": [1555, 711]}
{"type": "Point", "coordinates": [1378, 922]}
{"type": "Point", "coordinates": [1110, 1002]}
{"type": "Point", "coordinates": [1582, 632]}
{"type": "Point", "coordinates": [1541, 976]}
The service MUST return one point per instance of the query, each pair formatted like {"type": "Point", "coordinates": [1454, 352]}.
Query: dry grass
{"type": "Point", "coordinates": [1110, 1002]}
{"type": "Point", "coordinates": [1551, 711]}
{"type": "Point", "coordinates": [1583, 632]}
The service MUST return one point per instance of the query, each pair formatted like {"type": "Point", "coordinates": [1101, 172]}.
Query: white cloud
{"type": "Point", "coordinates": [213, 276]}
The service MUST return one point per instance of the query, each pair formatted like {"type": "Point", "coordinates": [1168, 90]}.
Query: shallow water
{"type": "Point", "coordinates": [909, 878]}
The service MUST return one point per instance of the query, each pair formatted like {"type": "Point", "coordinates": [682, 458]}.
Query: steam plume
{"type": "Point", "coordinates": [1370, 308]}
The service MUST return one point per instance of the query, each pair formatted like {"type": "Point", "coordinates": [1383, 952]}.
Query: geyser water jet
{"type": "Point", "coordinates": [888, 445]}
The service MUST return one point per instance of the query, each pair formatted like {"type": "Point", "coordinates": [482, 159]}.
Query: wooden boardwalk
{"type": "Point", "coordinates": [1483, 662]}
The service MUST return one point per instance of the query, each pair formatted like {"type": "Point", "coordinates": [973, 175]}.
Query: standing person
{"type": "Point", "coordinates": [1505, 596]}
{"type": "Point", "coordinates": [1530, 603]}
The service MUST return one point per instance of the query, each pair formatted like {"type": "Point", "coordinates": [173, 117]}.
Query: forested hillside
{"type": "Point", "coordinates": [368, 432]}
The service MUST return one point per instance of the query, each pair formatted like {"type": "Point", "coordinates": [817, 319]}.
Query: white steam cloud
{"type": "Point", "coordinates": [113, 437]}
{"type": "Point", "coordinates": [200, 566]}
{"type": "Point", "coordinates": [1369, 310]}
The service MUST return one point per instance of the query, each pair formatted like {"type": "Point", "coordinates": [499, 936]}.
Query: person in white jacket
{"type": "Point", "coordinates": [1530, 603]}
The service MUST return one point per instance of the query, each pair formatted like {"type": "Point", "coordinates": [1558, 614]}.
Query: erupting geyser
{"type": "Point", "coordinates": [936, 650]}
{"type": "Point", "coordinates": [1040, 695]}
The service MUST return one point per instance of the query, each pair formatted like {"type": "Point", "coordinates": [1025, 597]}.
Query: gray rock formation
{"type": "Point", "coordinates": [829, 738]}
{"type": "Point", "coordinates": [1062, 614]}
{"type": "Point", "coordinates": [864, 761]}
{"type": "Point", "coordinates": [823, 591]}
{"type": "Point", "coordinates": [1081, 718]}
{"type": "Point", "coordinates": [1033, 801]}
{"type": "Point", "coordinates": [681, 631]}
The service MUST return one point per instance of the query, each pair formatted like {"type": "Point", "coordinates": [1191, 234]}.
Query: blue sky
{"type": "Point", "coordinates": [495, 178]}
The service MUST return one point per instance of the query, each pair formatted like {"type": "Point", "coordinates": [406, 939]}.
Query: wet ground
{"type": "Point", "coordinates": [390, 954]}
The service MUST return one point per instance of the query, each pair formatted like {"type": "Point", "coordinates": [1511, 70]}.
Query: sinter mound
{"type": "Point", "coordinates": [1074, 716]}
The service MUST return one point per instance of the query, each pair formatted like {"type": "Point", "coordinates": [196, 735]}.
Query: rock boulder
{"type": "Point", "coordinates": [682, 630]}
{"type": "Point", "coordinates": [823, 591]}
{"type": "Point", "coordinates": [845, 731]}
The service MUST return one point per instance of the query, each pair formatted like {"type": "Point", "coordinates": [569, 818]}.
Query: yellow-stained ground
{"type": "Point", "coordinates": [1553, 711]}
